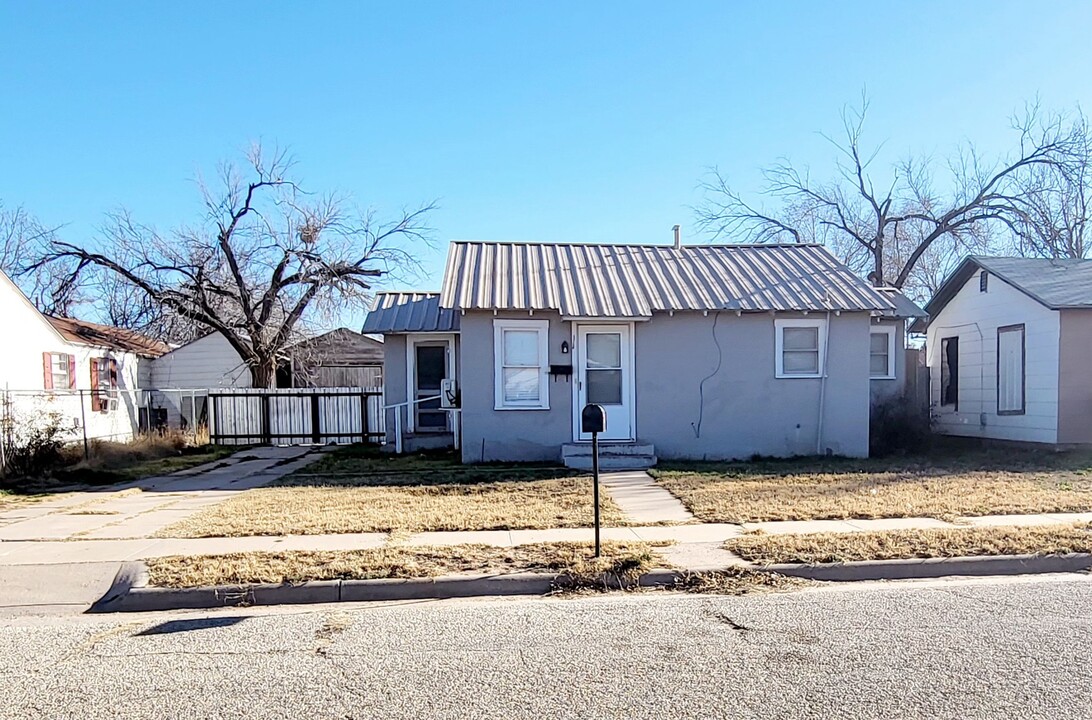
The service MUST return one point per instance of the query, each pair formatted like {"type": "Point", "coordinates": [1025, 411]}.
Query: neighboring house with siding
{"type": "Point", "coordinates": [711, 351]}
{"type": "Point", "coordinates": [89, 375]}
{"type": "Point", "coordinates": [1008, 346]}
{"type": "Point", "coordinates": [339, 358]}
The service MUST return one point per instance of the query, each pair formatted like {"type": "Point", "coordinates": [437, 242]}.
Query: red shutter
{"type": "Point", "coordinates": [47, 371]}
{"type": "Point", "coordinates": [96, 399]}
{"type": "Point", "coordinates": [71, 372]}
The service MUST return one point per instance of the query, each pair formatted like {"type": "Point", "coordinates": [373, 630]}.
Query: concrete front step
{"type": "Point", "coordinates": [612, 456]}
{"type": "Point", "coordinates": [607, 448]}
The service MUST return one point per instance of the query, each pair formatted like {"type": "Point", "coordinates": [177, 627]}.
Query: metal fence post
{"type": "Point", "coordinates": [83, 427]}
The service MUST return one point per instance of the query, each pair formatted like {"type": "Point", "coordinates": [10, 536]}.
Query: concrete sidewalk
{"type": "Point", "coordinates": [694, 539]}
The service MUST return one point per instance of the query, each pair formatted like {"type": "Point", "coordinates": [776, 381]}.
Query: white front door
{"type": "Point", "coordinates": [604, 376]}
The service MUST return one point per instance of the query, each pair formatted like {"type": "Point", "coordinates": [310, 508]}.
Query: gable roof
{"type": "Point", "coordinates": [402, 312]}
{"type": "Point", "coordinates": [605, 280]}
{"type": "Point", "coordinates": [1056, 283]}
{"type": "Point", "coordinates": [81, 332]}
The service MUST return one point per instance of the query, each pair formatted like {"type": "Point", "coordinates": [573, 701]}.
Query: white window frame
{"type": "Point", "coordinates": [779, 346]}
{"type": "Point", "coordinates": [888, 330]}
{"type": "Point", "coordinates": [542, 327]}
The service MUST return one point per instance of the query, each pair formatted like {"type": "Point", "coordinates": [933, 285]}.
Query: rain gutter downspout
{"type": "Point", "coordinates": [823, 386]}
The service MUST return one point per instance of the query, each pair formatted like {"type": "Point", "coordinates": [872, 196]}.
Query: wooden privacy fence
{"type": "Point", "coordinates": [296, 416]}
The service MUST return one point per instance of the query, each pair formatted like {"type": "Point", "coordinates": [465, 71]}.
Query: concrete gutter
{"type": "Point", "coordinates": [130, 591]}
{"type": "Point", "coordinates": [935, 567]}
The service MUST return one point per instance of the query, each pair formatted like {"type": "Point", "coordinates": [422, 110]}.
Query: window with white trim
{"type": "Point", "coordinates": [799, 348]}
{"type": "Point", "coordinates": [520, 351]}
{"type": "Point", "coordinates": [881, 352]}
{"type": "Point", "coordinates": [1010, 370]}
{"type": "Point", "coordinates": [59, 371]}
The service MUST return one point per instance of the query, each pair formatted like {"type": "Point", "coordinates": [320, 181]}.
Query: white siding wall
{"type": "Point", "coordinates": [974, 317]}
{"type": "Point", "coordinates": [28, 335]}
{"type": "Point", "coordinates": [208, 362]}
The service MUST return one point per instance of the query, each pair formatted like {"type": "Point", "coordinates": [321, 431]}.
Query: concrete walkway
{"type": "Point", "coordinates": [642, 499]}
{"type": "Point", "coordinates": [142, 508]}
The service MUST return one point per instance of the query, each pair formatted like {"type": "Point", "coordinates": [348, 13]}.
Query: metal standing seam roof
{"type": "Point", "coordinates": [401, 312]}
{"type": "Point", "coordinates": [610, 280]}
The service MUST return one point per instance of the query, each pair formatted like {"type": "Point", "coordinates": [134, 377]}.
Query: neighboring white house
{"type": "Point", "coordinates": [710, 351]}
{"type": "Point", "coordinates": [49, 360]}
{"type": "Point", "coordinates": [1008, 347]}
{"type": "Point", "coordinates": [339, 358]}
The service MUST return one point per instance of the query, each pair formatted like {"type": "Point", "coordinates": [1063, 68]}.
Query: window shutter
{"type": "Point", "coordinates": [96, 396]}
{"type": "Point", "coordinates": [47, 371]}
{"type": "Point", "coordinates": [71, 372]}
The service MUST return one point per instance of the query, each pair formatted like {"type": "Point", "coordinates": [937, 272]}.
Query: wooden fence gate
{"type": "Point", "coordinates": [296, 416]}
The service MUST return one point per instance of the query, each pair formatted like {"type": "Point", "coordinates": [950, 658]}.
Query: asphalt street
{"type": "Point", "coordinates": [956, 649]}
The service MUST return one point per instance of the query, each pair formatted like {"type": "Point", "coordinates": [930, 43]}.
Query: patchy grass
{"type": "Point", "coordinates": [359, 489]}
{"type": "Point", "coordinates": [523, 504]}
{"type": "Point", "coordinates": [395, 561]}
{"type": "Point", "coordinates": [906, 544]}
{"type": "Point", "coordinates": [356, 465]}
{"type": "Point", "coordinates": [945, 485]}
{"type": "Point", "coordinates": [740, 581]}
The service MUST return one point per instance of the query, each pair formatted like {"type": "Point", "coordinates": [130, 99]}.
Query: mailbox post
{"type": "Point", "coordinates": [593, 419]}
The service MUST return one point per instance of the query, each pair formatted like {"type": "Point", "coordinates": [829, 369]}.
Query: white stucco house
{"type": "Point", "coordinates": [1008, 347]}
{"type": "Point", "coordinates": [50, 360]}
{"type": "Point", "coordinates": [710, 351]}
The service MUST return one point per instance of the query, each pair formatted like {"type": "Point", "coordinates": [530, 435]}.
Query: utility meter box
{"type": "Point", "coordinates": [593, 419]}
{"type": "Point", "coordinates": [449, 394]}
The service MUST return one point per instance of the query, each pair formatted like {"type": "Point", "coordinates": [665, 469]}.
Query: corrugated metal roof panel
{"type": "Point", "coordinates": [403, 312]}
{"type": "Point", "coordinates": [637, 280]}
{"type": "Point", "coordinates": [904, 306]}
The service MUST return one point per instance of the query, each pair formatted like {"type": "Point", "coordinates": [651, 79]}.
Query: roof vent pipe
{"type": "Point", "coordinates": [678, 238]}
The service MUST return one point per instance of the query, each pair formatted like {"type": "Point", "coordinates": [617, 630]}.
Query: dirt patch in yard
{"type": "Point", "coordinates": [945, 487]}
{"type": "Point", "coordinates": [526, 504]}
{"type": "Point", "coordinates": [397, 561]}
{"type": "Point", "coordinates": [908, 544]}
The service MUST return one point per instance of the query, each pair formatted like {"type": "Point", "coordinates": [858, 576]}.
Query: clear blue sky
{"type": "Point", "coordinates": [568, 121]}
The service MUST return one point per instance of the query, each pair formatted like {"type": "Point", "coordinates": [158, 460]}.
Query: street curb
{"type": "Point", "coordinates": [129, 592]}
{"type": "Point", "coordinates": [934, 567]}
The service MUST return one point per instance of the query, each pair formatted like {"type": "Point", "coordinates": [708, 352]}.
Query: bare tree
{"type": "Point", "coordinates": [890, 224]}
{"type": "Point", "coordinates": [56, 289]}
{"type": "Point", "coordinates": [265, 254]}
{"type": "Point", "coordinates": [1054, 203]}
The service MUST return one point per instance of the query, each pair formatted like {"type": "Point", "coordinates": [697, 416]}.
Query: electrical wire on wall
{"type": "Point", "coordinates": [696, 427]}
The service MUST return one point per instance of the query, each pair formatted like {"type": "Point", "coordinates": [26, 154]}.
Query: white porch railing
{"type": "Point", "coordinates": [398, 407]}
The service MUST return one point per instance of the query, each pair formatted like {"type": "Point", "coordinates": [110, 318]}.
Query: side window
{"type": "Point", "coordinates": [104, 384]}
{"type": "Point", "coordinates": [58, 371]}
{"type": "Point", "coordinates": [881, 353]}
{"type": "Point", "coordinates": [799, 348]}
{"type": "Point", "coordinates": [949, 372]}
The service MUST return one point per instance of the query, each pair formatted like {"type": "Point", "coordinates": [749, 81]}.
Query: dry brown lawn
{"type": "Point", "coordinates": [399, 561]}
{"type": "Point", "coordinates": [905, 544]}
{"type": "Point", "coordinates": [939, 487]}
{"type": "Point", "coordinates": [311, 510]}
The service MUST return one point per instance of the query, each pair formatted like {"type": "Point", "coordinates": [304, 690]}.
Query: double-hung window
{"type": "Point", "coordinates": [799, 348]}
{"type": "Point", "coordinates": [520, 351]}
{"type": "Point", "coordinates": [58, 371]}
{"type": "Point", "coordinates": [104, 384]}
{"type": "Point", "coordinates": [881, 353]}
{"type": "Point", "coordinates": [1010, 370]}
